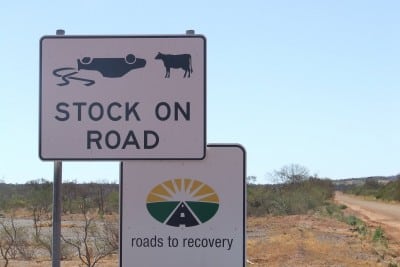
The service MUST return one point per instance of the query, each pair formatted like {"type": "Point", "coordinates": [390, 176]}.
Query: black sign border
{"type": "Point", "coordinates": [119, 158]}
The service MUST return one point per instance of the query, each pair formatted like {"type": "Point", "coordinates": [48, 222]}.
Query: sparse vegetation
{"type": "Point", "coordinates": [299, 193]}
{"type": "Point", "coordinates": [13, 241]}
{"type": "Point", "coordinates": [313, 240]}
{"type": "Point", "coordinates": [357, 224]}
{"type": "Point", "coordinates": [336, 211]}
{"type": "Point", "coordinates": [91, 242]}
{"type": "Point", "coordinates": [92, 235]}
{"type": "Point", "coordinates": [379, 236]}
{"type": "Point", "coordinates": [389, 191]}
{"type": "Point", "coordinates": [36, 195]}
{"type": "Point", "coordinates": [332, 210]}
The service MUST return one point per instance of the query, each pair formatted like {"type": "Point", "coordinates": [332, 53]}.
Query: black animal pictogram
{"type": "Point", "coordinates": [183, 61]}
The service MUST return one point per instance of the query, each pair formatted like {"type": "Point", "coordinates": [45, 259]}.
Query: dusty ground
{"type": "Point", "coordinates": [75, 263]}
{"type": "Point", "coordinates": [386, 215]}
{"type": "Point", "coordinates": [298, 240]}
{"type": "Point", "coordinates": [70, 224]}
{"type": "Point", "coordinates": [312, 240]}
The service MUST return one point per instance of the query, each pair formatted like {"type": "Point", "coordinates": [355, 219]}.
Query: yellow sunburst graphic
{"type": "Point", "coordinates": [182, 201]}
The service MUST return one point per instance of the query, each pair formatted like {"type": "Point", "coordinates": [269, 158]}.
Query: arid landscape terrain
{"type": "Point", "coordinates": [384, 214]}
{"type": "Point", "coordinates": [314, 239]}
{"type": "Point", "coordinates": [318, 240]}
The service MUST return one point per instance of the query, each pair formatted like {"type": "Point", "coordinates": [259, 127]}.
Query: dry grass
{"type": "Point", "coordinates": [298, 240]}
{"type": "Point", "coordinates": [309, 240]}
{"type": "Point", "coordinates": [111, 262]}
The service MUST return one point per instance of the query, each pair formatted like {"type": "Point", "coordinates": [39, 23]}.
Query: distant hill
{"type": "Point", "coordinates": [351, 182]}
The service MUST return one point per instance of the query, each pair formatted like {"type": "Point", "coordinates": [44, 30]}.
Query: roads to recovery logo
{"type": "Point", "coordinates": [182, 202]}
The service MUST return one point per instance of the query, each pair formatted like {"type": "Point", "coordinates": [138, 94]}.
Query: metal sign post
{"type": "Point", "coordinates": [56, 244]}
{"type": "Point", "coordinates": [144, 98]}
{"type": "Point", "coordinates": [57, 183]}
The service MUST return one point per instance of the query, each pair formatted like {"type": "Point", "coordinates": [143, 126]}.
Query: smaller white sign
{"type": "Point", "coordinates": [184, 213]}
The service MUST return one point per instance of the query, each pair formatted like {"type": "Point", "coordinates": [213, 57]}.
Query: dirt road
{"type": "Point", "coordinates": [378, 213]}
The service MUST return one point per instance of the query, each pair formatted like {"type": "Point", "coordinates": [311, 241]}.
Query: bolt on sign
{"type": "Point", "coordinates": [184, 213]}
{"type": "Point", "coordinates": [122, 97]}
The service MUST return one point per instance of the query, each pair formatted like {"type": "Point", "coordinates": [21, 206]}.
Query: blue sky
{"type": "Point", "coordinates": [314, 83]}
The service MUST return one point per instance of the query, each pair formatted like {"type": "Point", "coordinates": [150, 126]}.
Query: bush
{"type": "Point", "coordinates": [358, 225]}
{"type": "Point", "coordinates": [391, 191]}
{"type": "Point", "coordinates": [379, 236]}
{"type": "Point", "coordinates": [352, 220]}
{"type": "Point", "coordinates": [14, 241]}
{"type": "Point", "coordinates": [286, 199]}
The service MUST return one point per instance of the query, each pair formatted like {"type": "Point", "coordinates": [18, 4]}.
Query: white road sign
{"type": "Point", "coordinates": [184, 213]}
{"type": "Point", "coordinates": [122, 97]}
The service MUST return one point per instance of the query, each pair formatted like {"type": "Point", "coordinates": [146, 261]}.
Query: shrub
{"type": "Point", "coordinates": [358, 225]}
{"type": "Point", "coordinates": [379, 236]}
{"type": "Point", "coordinates": [391, 191]}
{"type": "Point", "coordinates": [291, 198]}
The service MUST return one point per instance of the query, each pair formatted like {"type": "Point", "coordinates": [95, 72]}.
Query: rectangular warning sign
{"type": "Point", "coordinates": [122, 97]}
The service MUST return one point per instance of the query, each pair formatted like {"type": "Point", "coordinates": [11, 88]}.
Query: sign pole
{"type": "Point", "coordinates": [56, 242]}
{"type": "Point", "coordinates": [56, 245]}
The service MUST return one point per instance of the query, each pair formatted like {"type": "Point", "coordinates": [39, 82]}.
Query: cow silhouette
{"type": "Point", "coordinates": [183, 61]}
